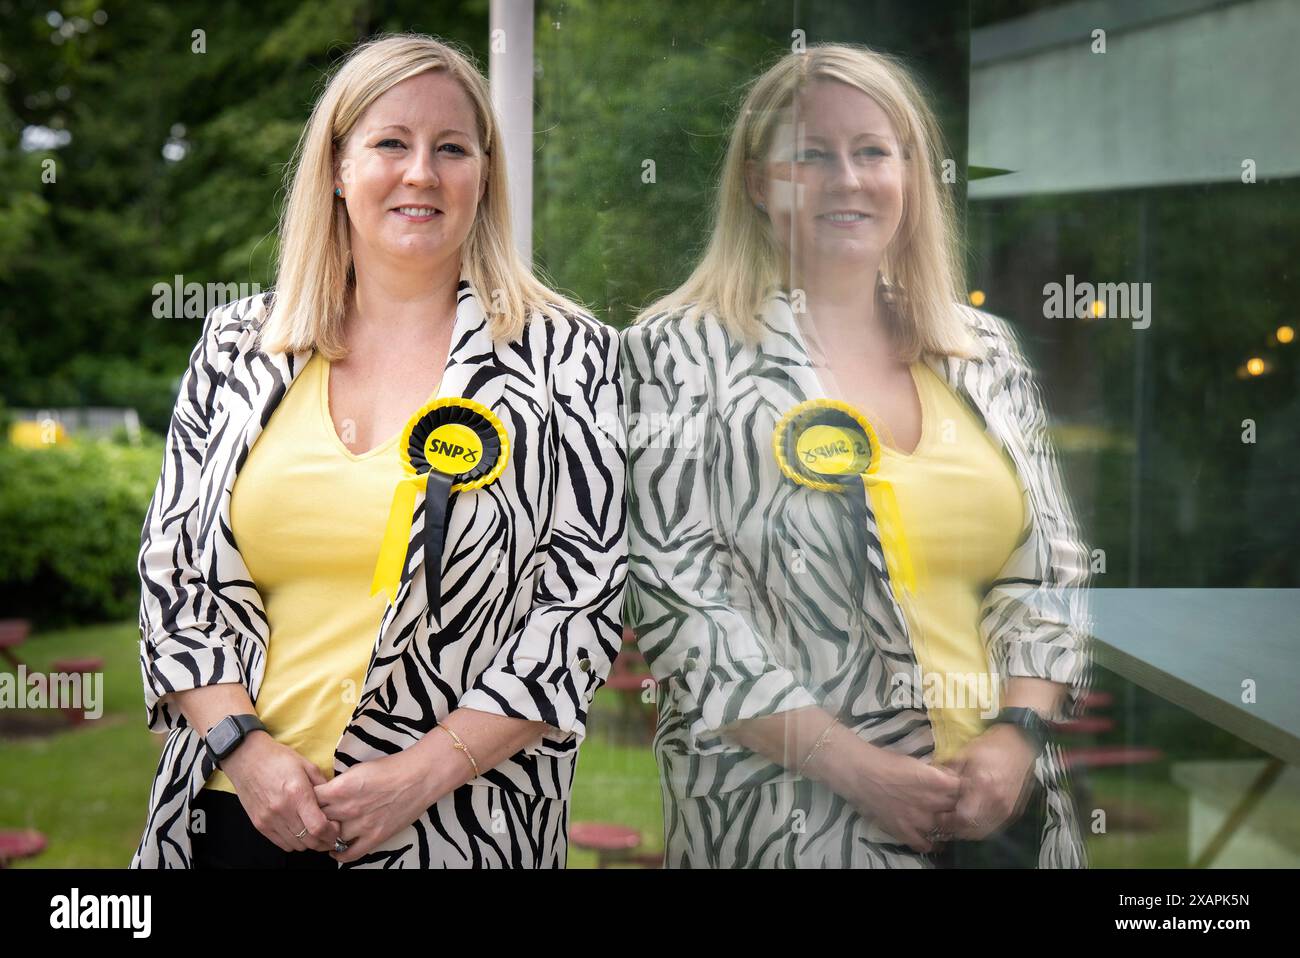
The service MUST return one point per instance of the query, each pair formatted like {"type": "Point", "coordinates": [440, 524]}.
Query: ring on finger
{"type": "Point", "coordinates": [301, 833]}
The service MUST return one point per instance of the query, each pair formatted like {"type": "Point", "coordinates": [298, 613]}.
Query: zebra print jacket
{"type": "Point", "coordinates": [752, 595]}
{"type": "Point", "coordinates": [533, 569]}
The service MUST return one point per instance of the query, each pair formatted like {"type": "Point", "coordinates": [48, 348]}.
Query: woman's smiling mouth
{"type": "Point", "coordinates": [844, 218]}
{"type": "Point", "coordinates": [417, 214]}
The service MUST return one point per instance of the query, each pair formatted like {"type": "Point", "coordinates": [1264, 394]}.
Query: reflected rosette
{"type": "Point", "coordinates": [829, 446]}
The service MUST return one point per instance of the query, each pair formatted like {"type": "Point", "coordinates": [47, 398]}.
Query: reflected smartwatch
{"type": "Point", "coordinates": [1032, 725]}
{"type": "Point", "coordinates": [224, 737]}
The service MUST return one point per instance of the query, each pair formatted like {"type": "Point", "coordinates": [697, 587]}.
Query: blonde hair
{"type": "Point", "coordinates": [742, 264]}
{"type": "Point", "coordinates": [314, 274]}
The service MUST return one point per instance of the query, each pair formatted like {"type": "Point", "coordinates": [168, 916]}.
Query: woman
{"type": "Point", "coordinates": [815, 632]}
{"type": "Point", "coordinates": [407, 372]}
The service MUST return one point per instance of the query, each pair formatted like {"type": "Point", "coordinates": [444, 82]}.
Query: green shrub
{"type": "Point", "coordinates": [70, 521]}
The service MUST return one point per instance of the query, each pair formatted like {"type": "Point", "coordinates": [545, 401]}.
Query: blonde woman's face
{"type": "Point", "coordinates": [833, 180]}
{"type": "Point", "coordinates": [413, 173]}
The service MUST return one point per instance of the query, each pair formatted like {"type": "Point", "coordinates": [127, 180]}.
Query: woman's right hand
{"type": "Point", "coordinates": [276, 786]}
{"type": "Point", "coordinates": [905, 796]}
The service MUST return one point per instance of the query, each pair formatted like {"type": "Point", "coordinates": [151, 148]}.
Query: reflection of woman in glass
{"type": "Point", "coordinates": [832, 664]}
{"type": "Point", "coordinates": [340, 689]}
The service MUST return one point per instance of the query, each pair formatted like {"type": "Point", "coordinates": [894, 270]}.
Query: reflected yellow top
{"type": "Point", "coordinates": [308, 516]}
{"type": "Point", "coordinates": [961, 509]}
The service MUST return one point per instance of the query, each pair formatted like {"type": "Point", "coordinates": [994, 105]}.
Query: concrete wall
{"type": "Point", "coordinates": [1184, 92]}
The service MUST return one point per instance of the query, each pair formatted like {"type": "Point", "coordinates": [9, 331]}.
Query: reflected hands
{"type": "Point", "coordinates": [908, 797]}
{"type": "Point", "coordinates": [995, 770]}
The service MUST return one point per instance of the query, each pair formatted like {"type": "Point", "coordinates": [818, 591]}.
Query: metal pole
{"type": "Point", "coordinates": [510, 75]}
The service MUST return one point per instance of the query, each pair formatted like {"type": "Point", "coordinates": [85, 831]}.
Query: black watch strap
{"type": "Point", "coordinates": [1030, 723]}
{"type": "Point", "coordinates": [227, 735]}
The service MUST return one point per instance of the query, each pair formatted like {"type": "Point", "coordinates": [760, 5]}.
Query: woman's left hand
{"type": "Point", "coordinates": [374, 800]}
{"type": "Point", "coordinates": [995, 771]}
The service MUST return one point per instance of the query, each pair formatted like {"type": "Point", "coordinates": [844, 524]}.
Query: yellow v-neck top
{"type": "Point", "coordinates": [962, 513]}
{"type": "Point", "coordinates": [308, 517]}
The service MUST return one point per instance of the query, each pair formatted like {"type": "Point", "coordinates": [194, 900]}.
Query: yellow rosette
{"type": "Point", "coordinates": [448, 445]}
{"type": "Point", "coordinates": [830, 446]}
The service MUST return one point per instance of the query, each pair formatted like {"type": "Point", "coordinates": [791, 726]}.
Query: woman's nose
{"type": "Point", "coordinates": [422, 169]}
{"type": "Point", "coordinates": [842, 177]}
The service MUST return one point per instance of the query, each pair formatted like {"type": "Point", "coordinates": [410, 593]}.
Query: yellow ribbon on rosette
{"type": "Point", "coordinates": [448, 445]}
{"type": "Point", "coordinates": [828, 445]}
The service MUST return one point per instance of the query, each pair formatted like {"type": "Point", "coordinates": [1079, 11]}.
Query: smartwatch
{"type": "Point", "coordinates": [1030, 723]}
{"type": "Point", "coordinates": [224, 737]}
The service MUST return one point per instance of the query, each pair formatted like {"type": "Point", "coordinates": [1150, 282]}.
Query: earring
{"type": "Point", "coordinates": [338, 191]}
{"type": "Point", "coordinates": [762, 207]}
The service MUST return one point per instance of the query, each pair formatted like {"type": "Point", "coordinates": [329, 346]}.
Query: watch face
{"type": "Point", "coordinates": [223, 737]}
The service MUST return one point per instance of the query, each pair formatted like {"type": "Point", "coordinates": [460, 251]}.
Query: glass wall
{"type": "Point", "coordinates": [1126, 190]}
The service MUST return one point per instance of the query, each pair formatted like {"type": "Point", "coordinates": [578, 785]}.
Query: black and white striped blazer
{"type": "Point", "coordinates": [533, 568]}
{"type": "Point", "coordinates": [752, 595]}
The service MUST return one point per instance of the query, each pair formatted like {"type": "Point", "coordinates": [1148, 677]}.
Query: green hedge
{"type": "Point", "coordinates": [70, 521]}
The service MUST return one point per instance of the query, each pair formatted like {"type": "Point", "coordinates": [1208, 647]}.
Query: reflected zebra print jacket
{"type": "Point", "coordinates": [751, 595]}
{"type": "Point", "coordinates": [533, 568]}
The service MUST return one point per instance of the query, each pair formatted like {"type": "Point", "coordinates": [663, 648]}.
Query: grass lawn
{"type": "Point", "coordinates": [86, 788]}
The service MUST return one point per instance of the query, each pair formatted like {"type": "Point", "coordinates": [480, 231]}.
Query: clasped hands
{"type": "Point", "coordinates": [291, 802]}
{"type": "Point", "coordinates": [969, 797]}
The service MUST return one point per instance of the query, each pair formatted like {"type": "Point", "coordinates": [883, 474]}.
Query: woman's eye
{"type": "Point", "coordinates": [455, 147]}
{"type": "Point", "coordinates": [384, 143]}
{"type": "Point", "coordinates": [808, 155]}
{"type": "Point", "coordinates": [873, 151]}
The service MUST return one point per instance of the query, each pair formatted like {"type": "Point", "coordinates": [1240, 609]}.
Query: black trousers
{"type": "Point", "coordinates": [1014, 846]}
{"type": "Point", "coordinates": [230, 840]}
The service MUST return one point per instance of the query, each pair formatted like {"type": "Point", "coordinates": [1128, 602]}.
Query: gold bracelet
{"type": "Point", "coordinates": [821, 741]}
{"type": "Point", "coordinates": [461, 745]}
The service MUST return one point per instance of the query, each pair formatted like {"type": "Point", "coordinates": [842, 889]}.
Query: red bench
{"type": "Point", "coordinates": [1097, 700]}
{"type": "Point", "coordinates": [1110, 756]}
{"type": "Point", "coordinates": [613, 844]}
{"type": "Point", "coordinates": [14, 632]}
{"type": "Point", "coordinates": [629, 676]}
{"type": "Point", "coordinates": [1087, 725]}
{"type": "Point", "coordinates": [17, 845]}
{"type": "Point", "coordinates": [78, 666]}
